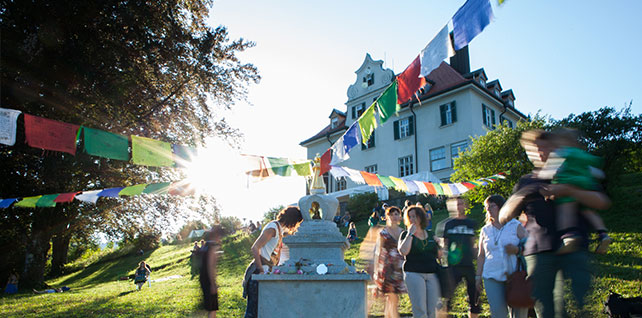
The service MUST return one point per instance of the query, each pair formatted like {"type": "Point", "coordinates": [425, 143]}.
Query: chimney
{"type": "Point", "coordinates": [461, 61]}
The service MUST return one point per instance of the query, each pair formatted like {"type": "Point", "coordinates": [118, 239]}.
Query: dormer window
{"type": "Point", "coordinates": [334, 122]}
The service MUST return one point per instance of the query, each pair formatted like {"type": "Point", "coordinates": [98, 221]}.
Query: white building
{"type": "Point", "coordinates": [427, 134]}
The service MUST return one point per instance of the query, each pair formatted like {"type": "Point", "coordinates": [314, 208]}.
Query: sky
{"type": "Point", "coordinates": [558, 57]}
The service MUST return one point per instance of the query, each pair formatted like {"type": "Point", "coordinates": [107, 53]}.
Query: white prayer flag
{"type": "Point", "coordinates": [439, 48]}
{"type": "Point", "coordinates": [89, 196]}
{"type": "Point", "coordinates": [8, 126]}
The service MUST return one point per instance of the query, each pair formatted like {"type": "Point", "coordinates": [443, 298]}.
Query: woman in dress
{"type": "Point", "coordinates": [352, 232]}
{"type": "Point", "coordinates": [388, 276]}
{"type": "Point", "coordinates": [420, 267]}
{"type": "Point", "coordinates": [142, 273]}
{"type": "Point", "coordinates": [498, 246]}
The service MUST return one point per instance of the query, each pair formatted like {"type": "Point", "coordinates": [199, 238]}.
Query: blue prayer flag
{"type": "Point", "coordinates": [110, 193]}
{"type": "Point", "coordinates": [5, 203]}
{"type": "Point", "coordinates": [352, 137]}
{"type": "Point", "coordinates": [470, 20]}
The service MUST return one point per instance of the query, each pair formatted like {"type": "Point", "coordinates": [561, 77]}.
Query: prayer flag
{"type": "Point", "coordinates": [157, 188]}
{"type": "Point", "coordinates": [5, 203]}
{"type": "Point", "coordinates": [150, 152]}
{"type": "Point", "coordinates": [181, 188]}
{"type": "Point", "coordinates": [371, 179]}
{"type": "Point", "coordinates": [47, 201]}
{"type": "Point", "coordinates": [133, 190]}
{"type": "Point", "coordinates": [387, 102]}
{"type": "Point", "coordinates": [453, 189]}
{"type": "Point", "coordinates": [89, 196]}
{"type": "Point", "coordinates": [258, 167]}
{"type": "Point", "coordinates": [8, 126]}
{"type": "Point", "coordinates": [303, 169]}
{"type": "Point", "coordinates": [409, 82]}
{"type": "Point", "coordinates": [436, 51]}
{"type": "Point", "coordinates": [339, 152]}
{"type": "Point", "coordinates": [183, 155]}
{"type": "Point", "coordinates": [65, 197]}
{"type": "Point", "coordinates": [411, 186]}
{"type": "Point", "coordinates": [280, 166]}
{"type": "Point", "coordinates": [386, 181]}
{"type": "Point", "coordinates": [468, 185]}
{"type": "Point", "coordinates": [28, 202]}
{"type": "Point", "coordinates": [325, 161]}
{"type": "Point", "coordinates": [338, 172]}
{"type": "Point", "coordinates": [50, 134]}
{"type": "Point", "coordinates": [367, 123]}
{"type": "Point", "coordinates": [110, 192]}
{"type": "Point", "coordinates": [399, 184]}
{"type": "Point", "coordinates": [438, 188]}
{"type": "Point", "coordinates": [446, 189]}
{"type": "Point", "coordinates": [421, 187]}
{"type": "Point", "coordinates": [105, 144]}
{"type": "Point", "coordinates": [352, 137]}
{"type": "Point", "coordinates": [461, 188]}
{"type": "Point", "coordinates": [500, 2]}
{"type": "Point", "coordinates": [431, 188]}
{"type": "Point", "coordinates": [475, 183]}
{"type": "Point", "coordinates": [355, 175]}
{"type": "Point", "coordinates": [470, 20]}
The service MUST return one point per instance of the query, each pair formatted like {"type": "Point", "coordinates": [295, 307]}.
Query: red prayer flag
{"type": "Point", "coordinates": [430, 188]}
{"type": "Point", "coordinates": [371, 179]}
{"type": "Point", "coordinates": [325, 161]}
{"type": "Point", "coordinates": [409, 82]}
{"type": "Point", "coordinates": [50, 134]}
{"type": "Point", "coordinates": [468, 185]}
{"type": "Point", "coordinates": [181, 188]}
{"type": "Point", "coordinates": [65, 197]}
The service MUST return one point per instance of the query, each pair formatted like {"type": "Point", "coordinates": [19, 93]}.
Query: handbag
{"type": "Point", "coordinates": [519, 287]}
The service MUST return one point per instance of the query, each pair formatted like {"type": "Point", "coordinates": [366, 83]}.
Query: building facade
{"type": "Point", "coordinates": [429, 132]}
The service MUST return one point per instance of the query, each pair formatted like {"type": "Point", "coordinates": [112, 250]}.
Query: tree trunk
{"type": "Point", "coordinates": [36, 258]}
{"type": "Point", "coordinates": [60, 249]}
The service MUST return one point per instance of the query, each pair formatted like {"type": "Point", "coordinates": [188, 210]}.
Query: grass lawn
{"type": "Point", "coordinates": [96, 290]}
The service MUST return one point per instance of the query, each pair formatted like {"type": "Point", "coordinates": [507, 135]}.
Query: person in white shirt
{"type": "Point", "coordinates": [497, 258]}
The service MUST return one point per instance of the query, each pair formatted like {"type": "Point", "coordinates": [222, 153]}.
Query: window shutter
{"type": "Point", "coordinates": [484, 115]}
{"type": "Point", "coordinates": [411, 125]}
{"type": "Point", "coordinates": [453, 110]}
{"type": "Point", "coordinates": [354, 112]}
{"type": "Point", "coordinates": [371, 142]}
{"type": "Point", "coordinates": [442, 110]}
{"type": "Point", "coordinates": [492, 117]}
{"type": "Point", "coordinates": [396, 129]}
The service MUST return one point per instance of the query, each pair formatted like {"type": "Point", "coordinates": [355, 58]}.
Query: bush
{"type": "Point", "coordinates": [147, 241]}
{"type": "Point", "coordinates": [360, 205]}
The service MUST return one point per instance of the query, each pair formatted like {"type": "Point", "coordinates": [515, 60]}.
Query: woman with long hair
{"type": "Point", "coordinates": [498, 246]}
{"type": "Point", "coordinates": [388, 276]}
{"type": "Point", "coordinates": [420, 267]}
{"type": "Point", "coordinates": [266, 251]}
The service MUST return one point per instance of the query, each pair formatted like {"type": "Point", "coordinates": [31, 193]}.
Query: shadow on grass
{"type": "Point", "coordinates": [126, 293]}
{"type": "Point", "coordinates": [105, 272]}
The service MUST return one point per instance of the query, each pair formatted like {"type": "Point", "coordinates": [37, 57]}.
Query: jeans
{"type": "Point", "coordinates": [252, 309]}
{"type": "Point", "coordinates": [424, 293]}
{"type": "Point", "coordinates": [496, 294]}
{"type": "Point", "coordinates": [547, 272]}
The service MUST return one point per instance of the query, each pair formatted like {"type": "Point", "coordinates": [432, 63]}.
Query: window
{"type": "Point", "coordinates": [404, 127]}
{"type": "Point", "coordinates": [503, 119]}
{"type": "Point", "coordinates": [438, 159]}
{"type": "Point", "coordinates": [368, 80]}
{"type": "Point", "coordinates": [448, 113]}
{"type": "Point", "coordinates": [406, 166]}
{"type": "Point", "coordinates": [456, 149]}
{"type": "Point", "coordinates": [341, 184]}
{"type": "Point", "coordinates": [371, 142]}
{"type": "Point", "coordinates": [335, 122]}
{"type": "Point", "coordinates": [326, 178]}
{"type": "Point", "coordinates": [371, 169]}
{"type": "Point", "coordinates": [488, 116]}
{"type": "Point", "coordinates": [358, 110]}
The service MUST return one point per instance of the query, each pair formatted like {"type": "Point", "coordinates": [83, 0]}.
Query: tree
{"type": "Point", "coordinates": [497, 151]}
{"type": "Point", "coordinates": [152, 69]}
{"type": "Point", "coordinates": [613, 135]}
{"type": "Point", "coordinates": [360, 205]}
{"type": "Point", "coordinates": [270, 215]}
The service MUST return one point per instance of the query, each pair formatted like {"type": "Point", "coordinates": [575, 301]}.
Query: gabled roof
{"type": "Point", "coordinates": [493, 83]}
{"type": "Point", "coordinates": [507, 93]}
{"type": "Point", "coordinates": [338, 112]}
{"type": "Point", "coordinates": [476, 73]}
{"type": "Point", "coordinates": [328, 130]}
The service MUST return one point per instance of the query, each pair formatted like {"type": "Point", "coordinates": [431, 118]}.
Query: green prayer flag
{"type": "Point", "coordinates": [28, 202]}
{"type": "Point", "coordinates": [157, 188]}
{"type": "Point", "coordinates": [105, 144]}
{"type": "Point", "coordinates": [386, 181]}
{"type": "Point", "coordinates": [387, 103]}
{"type": "Point", "coordinates": [150, 152]}
{"type": "Point", "coordinates": [367, 123]}
{"type": "Point", "coordinates": [280, 166]}
{"type": "Point", "coordinates": [438, 189]}
{"type": "Point", "coordinates": [303, 169]}
{"type": "Point", "coordinates": [47, 201]}
{"type": "Point", "coordinates": [133, 190]}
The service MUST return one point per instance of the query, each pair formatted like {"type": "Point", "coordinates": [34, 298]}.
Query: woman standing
{"type": "Point", "coordinates": [497, 258]}
{"type": "Point", "coordinates": [420, 268]}
{"type": "Point", "coordinates": [266, 250]}
{"type": "Point", "coordinates": [388, 276]}
{"type": "Point", "coordinates": [142, 273]}
{"type": "Point", "coordinates": [208, 267]}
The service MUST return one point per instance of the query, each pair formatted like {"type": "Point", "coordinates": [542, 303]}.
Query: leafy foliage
{"type": "Point", "coordinates": [360, 205]}
{"type": "Point", "coordinates": [270, 215]}
{"type": "Point", "coordinates": [497, 151]}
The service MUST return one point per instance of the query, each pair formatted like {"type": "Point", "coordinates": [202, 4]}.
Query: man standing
{"type": "Point", "coordinates": [458, 233]}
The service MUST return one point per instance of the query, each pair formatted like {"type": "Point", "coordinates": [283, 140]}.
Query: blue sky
{"type": "Point", "coordinates": [559, 58]}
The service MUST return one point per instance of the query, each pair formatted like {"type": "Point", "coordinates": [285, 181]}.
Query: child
{"type": "Point", "coordinates": [142, 273]}
{"type": "Point", "coordinates": [569, 164]}
{"type": "Point", "coordinates": [352, 232]}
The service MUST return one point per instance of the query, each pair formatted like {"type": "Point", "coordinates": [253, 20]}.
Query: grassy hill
{"type": "Point", "coordinates": [96, 290]}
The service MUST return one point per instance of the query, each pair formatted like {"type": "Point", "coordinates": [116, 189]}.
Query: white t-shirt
{"type": "Point", "coordinates": [268, 248]}
{"type": "Point", "coordinates": [497, 262]}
